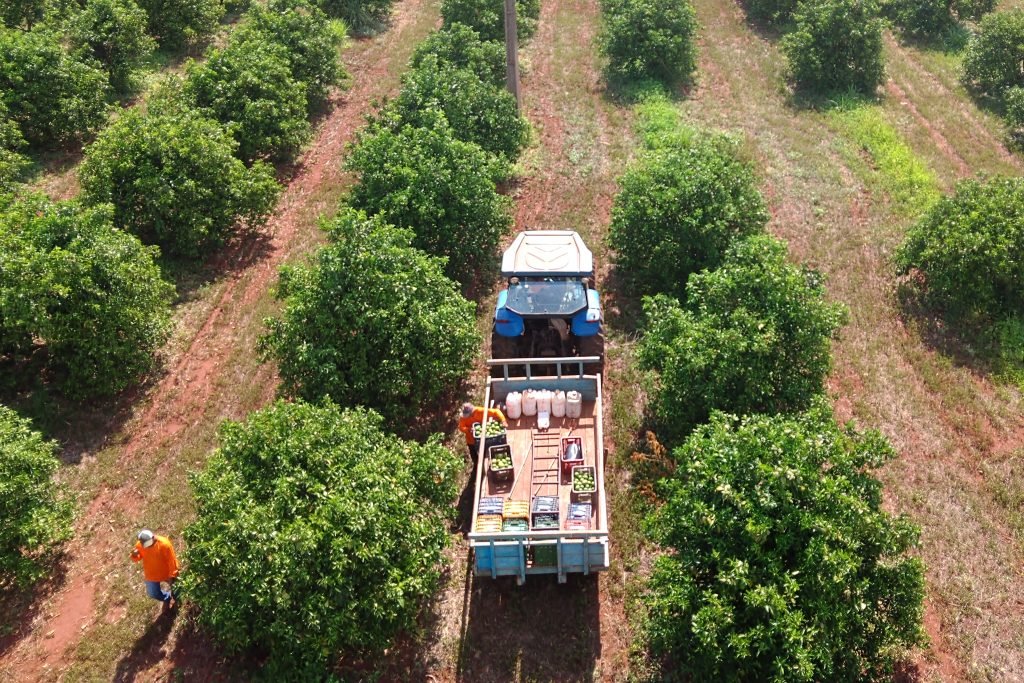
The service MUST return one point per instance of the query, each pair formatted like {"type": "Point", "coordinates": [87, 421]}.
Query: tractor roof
{"type": "Point", "coordinates": [559, 253]}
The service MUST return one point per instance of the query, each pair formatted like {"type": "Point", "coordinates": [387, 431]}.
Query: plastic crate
{"type": "Point", "coordinates": [544, 504]}
{"type": "Point", "coordinates": [544, 521]}
{"type": "Point", "coordinates": [488, 524]}
{"type": "Point", "coordinates": [496, 440]}
{"type": "Point", "coordinates": [584, 468]}
{"type": "Point", "coordinates": [577, 525]}
{"type": "Point", "coordinates": [569, 463]}
{"type": "Point", "coordinates": [545, 555]}
{"type": "Point", "coordinates": [502, 451]}
{"type": "Point", "coordinates": [491, 505]}
{"type": "Point", "coordinates": [516, 509]}
{"type": "Point", "coordinates": [515, 525]}
{"type": "Point", "coordinates": [580, 511]}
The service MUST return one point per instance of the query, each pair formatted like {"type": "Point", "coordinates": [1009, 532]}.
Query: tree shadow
{"type": "Point", "coordinates": [196, 656]}
{"type": "Point", "coordinates": [538, 631]}
{"type": "Point", "coordinates": [149, 649]}
{"type": "Point", "coordinates": [20, 607]}
{"type": "Point", "coordinates": [621, 302]}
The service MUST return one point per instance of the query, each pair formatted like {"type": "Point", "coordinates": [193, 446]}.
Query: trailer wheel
{"type": "Point", "coordinates": [502, 347]}
{"type": "Point", "coordinates": [592, 346]}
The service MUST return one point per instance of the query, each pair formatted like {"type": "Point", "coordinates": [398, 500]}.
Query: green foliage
{"type": "Point", "coordinates": [773, 12]}
{"type": "Point", "coordinates": [248, 86]}
{"type": "Point", "coordinates": [920, 18]}
{"type": "Point", "coordinates": [1014, 102]}
{"type": "Point", "coordinates": [114, 33]}
{"type": "Point", "coordinates": [373, 322]}
{"type": "Point", "coordinates": [175, 23]}
{"type": "Point", "coordinates": [316, 533]}
{"type": "Point", "coordinates": [22, 13]}
{"type": "Point", "coordinates": [781, 566]}
{"type": "Point", "coordinates": [310, 40]}
{"type": "Point", "coordinates": [12, 163]}
{"type": "Point", "coordinates": [649, 39]}
{"type": "Point", "coordinates": [364, 17]}
{"type": "Point", "coordinates": [679, 208]}
{"type": "Point", "coordinates": [173, 180]}
{"type": "Point", "coordinates": [1009, 335]}
{"type": "Point", "coordinates": [53, 97]}
{"type": "Point", "coordinates": [488, 18]}
{"type": "Point", "coordinates": [994, 53]}
{"type": "Point", "coordinates": [476, 111]}
{"type": "Point", "coordinates": [835, 46]}
{"type": "Point", "coordinates": [754, 337]}
{"type": "Point", "coordinates": [460, 46]}
{"type": "Point", "coordinates": [969, 248]}
{"type": "Point", "coordinates": [35, 513]}
{"type": "Point", "coordinates": [93, 294]}
{"type": "Point", "coordinates": [442, 188]}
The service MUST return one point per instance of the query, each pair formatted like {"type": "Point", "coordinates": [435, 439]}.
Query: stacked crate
{"type": "Point", "coordinates": [517, 516]}
{"type": "Point", "coordinates": [489, 514]}
{"type": "Point", "coordinates": [579, 516]}
{"type": "Point", "coordinates": [544, 513]}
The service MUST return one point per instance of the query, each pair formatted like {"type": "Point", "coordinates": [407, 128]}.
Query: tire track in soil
{"type": "Point", "coordinates": [905, 100]}
{"type": "Point", "coordinates": [185, 393]}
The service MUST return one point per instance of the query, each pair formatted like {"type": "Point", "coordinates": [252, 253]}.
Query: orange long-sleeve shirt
{"type": "Point", "coordinates": [466, 423]}
{"type": "Point", "coordinates": [159, 563]}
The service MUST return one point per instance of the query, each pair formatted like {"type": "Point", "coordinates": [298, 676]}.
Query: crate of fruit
{"type": "Point", "coordinates": [501, 461]}
{"type": "Point", "coordinates": [495, 434]}
{"type": "Point", "coordinates": [488, 524]}
{"type": "Point", "coordinates": [584, 479]}
{"type": "Point", "coordinates": [516, 509]}
{"type": "Point", "coordinates": [491, 505]}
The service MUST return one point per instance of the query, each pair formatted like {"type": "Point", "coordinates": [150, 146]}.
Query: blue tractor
{"type": "Point", "coordinates": [550, 308]}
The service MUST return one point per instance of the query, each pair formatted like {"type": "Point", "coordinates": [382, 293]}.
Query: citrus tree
{"type": "Point", "coordinates": [679, 208]}
{"type": "Point", "coordinates": [780, 564]}
{"type": "Point", "coordinates": [649, 39]}
{"type": "Point", "coordinates": [175, 23]}
{"type": "Point", "coordinates": [992, 60]}
{"type": "Point", "coordinates": [12, 163]}
{"type": "Point", "coordinates": [364, 17]}
{"type": "Point", "coordinates": [835, 47]}
{"type": "Point", "coordinates": [969, 248]}
{"type": "Point", "coordinates": [317, 532]}
{"type": "Point", "coordinates": [173, 180]}
{"type": "Point", "coordinates": [477, 111]}
{"type": "Point", "coordinates": [440, 187]}
{"type": "Point", "coordinates": [52, 96]}
{"type": "Point", "coordinates": [372, 321]}
{"type": "Point", "coordinates": [310, 41]}
{"type": "Point", "coordinates": [754, 337]}
{"type": "Point", "coordinates": [460, 46]}
{"type": "Point", "coordinates": [35, 512]}
{"type": "Point", "coordinates": [114, 33]}
{"type": "Point", "coordinates": [93, 294]}
{"type": "Point", "coordinates": [487, 17]}
{"type": "Point", "coordinates": [248, 87]}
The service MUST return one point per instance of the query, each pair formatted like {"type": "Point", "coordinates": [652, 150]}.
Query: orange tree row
{"type": "Point", "coordinates": [374, 334]}
{"type": "Point", "coordinates": [779, 563]}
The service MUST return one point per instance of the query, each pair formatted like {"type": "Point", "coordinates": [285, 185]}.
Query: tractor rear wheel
{"type": "Point", "coordinates": [502, 347]}
{"type": "Point", "coordinates": [592, 346]}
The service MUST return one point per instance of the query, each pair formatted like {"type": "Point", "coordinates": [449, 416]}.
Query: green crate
{"type": "Point", "coordinates": [545, 555]}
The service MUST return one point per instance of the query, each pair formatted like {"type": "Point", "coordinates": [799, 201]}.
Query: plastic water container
{"type": "Point", "coordinates": [573, 404]}
{"type": "Point", "coordinates": [544, 401]}
{"type": "Point", "coordinates": [543, 421]}
{"type": "Point", "coordinates": [529, 402]}
{"type": "Point", "coordinates": [558, 404]}
{"type": "Point", "coordinates": [514, 405]}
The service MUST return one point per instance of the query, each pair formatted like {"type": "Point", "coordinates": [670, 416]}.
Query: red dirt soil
{"type": "Point", "coordinates": [192, 380]}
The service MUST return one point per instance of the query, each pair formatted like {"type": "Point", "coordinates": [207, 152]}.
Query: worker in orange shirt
{"type": "Point", "coordinates": [159, 563]}
{"type": "Point", "coordinates": [471, 414]}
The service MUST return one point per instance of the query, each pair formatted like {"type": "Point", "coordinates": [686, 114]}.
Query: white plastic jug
{"type": "Point", "coordinates": [529, 402]}
{"type": "Point", "coordinates": [542, 419]}
{"type": "Point", "coordinates": [544, 401]}
{"type": "Point", "coordinates": [514, 405]}
{"type": "Point", "coordinates": [573, 404]}
{"type": "Point", "coordinates": [558, 404]}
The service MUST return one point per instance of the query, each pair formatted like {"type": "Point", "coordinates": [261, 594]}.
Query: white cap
{"type": "Point", "coordinates": [146, 536]}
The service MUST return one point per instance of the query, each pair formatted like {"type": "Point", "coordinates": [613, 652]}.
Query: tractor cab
{"type": "Point", "coordinates": [549, 309]}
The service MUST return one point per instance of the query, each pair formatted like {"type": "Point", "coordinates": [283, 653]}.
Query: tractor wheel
{"type": "Point", "coordinates": [592, 346]}
{"type": "Point", "coordinates": [502, 347]}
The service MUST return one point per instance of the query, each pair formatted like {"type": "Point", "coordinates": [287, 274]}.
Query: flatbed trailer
{"type": "Point", "coordinates": [579, 544]}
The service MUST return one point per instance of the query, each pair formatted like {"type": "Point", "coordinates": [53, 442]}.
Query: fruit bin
{"type": "Point", "coordinates": [584, 479]}
{"type": "Point", "coordinates": [497, 437]}
{"type": "Point", "coordinates": [569, 462]}
{"type": "Point", "coordinates": [500, 458]}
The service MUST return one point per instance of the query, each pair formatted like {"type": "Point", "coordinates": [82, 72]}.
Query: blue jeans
{"type": "Point", "coordinates": [154, 591]}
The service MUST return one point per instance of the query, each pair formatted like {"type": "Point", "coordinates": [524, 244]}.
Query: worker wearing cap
{"type": "Point", "coordinates": [159, 563]}
{"type": "Point", "coordinates": [471, 414]}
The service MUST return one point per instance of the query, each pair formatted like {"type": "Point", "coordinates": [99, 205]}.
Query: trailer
{"type": "Point", "coordinates": [527, 517]}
